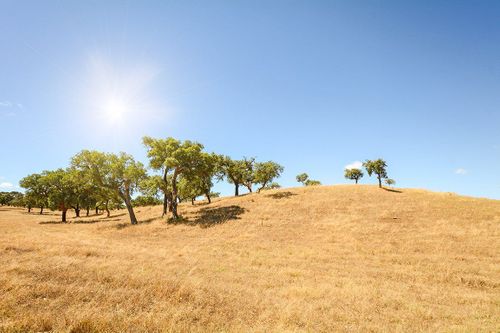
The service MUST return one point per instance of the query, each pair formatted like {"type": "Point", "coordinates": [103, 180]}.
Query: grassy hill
{"type": "Point", "coordinates": [330, 258]}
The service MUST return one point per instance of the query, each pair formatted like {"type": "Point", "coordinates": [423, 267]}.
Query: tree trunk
{"type": "Point", "coordinates": [165, 205]}
{"type": "Point", "coordinates": [249, 187]}
{"type": "Point", "coordinates": [96, 210]}
{"type": "Point", "coordinates": [379, 181]}
{"type": "Point", "coordinates": [208, 197]}
{"type": "Point", "coordinates": [107, 209]}
{"type": "Point", "coordinates": [63, 216]}
{"type": "Point", "coordinates": [29, 209]}
{"type": "Point", "coordinates": [192, 201]}
{"type": "Point", "coordinates": [41, 210]}
{"type": "Point", "coordinates": [128, 203]}
{"type": "Point", "coordinates": [175, 215]}
{"type": "Point", "coordinates": [77, 210]}
{"type": "Point", "coordinates": [236, 190]}
{"type": "Point", "coordinates": [88, 210]}
{"type": "Point", "coordinates": [356, 180]}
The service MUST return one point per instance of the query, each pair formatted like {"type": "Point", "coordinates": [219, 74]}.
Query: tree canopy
{"type": "Point", "coordinates": [377, 167]}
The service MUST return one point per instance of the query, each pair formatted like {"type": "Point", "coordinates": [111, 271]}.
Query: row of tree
{"type": "Point", "coordinates": [376, 167]}
{"type": "Point", "coordinates": [12, 198]}
{"type": "Point", "coordinates": [182, 170]}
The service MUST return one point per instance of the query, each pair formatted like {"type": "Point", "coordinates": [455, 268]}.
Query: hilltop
{"type": "Point", "coordinates": [326, 258]}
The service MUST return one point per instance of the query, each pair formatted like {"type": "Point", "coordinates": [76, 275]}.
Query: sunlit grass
{"type": "Point", "coordinates": [343, 258]}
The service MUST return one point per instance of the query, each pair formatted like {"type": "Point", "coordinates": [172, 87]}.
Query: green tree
{"type": "Point", "coordinates": [272, 186]}
{"type": "Point", "coordinates": [265, 172]}
{"type": "Point", "coordinates": [12, 198]}
{"type": "Point", "coordinates": [353, 174]}
{"type": "Point", "coordinates": [146, 200]}
{"type": "Point", "coordinates": [37, 190]}
{"type": "Point", "coordinates": [61, 190]}
{"type": "Point", "coordinates": [120, 174]}
{"type": "Point", "coordinates": [302, 178]}
{"type": "Point", "coordinates": [377, 167]}
{"type": "Point", "coordinates": [311, 182]}
{"type": "Point", "coordinates": [179, 158]}
{"type": "Point", "coordinates": [237, 172]}
{"type": "Point", "coordinates": [390, 182]}
{"type": "Point", "coordinates": [155, 185]}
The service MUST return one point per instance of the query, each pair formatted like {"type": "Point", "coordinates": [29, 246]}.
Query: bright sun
{"type": "Point", "coordinates": [115, 110]}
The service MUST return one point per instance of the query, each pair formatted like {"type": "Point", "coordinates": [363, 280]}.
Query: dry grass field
{"type": "Point", "coordinates": [319, 259]}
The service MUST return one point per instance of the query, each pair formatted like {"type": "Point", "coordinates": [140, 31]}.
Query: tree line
{"type": "Point", "coordinates": [179, 170]}
{"type": "Point", "coordinates": [376, 167]}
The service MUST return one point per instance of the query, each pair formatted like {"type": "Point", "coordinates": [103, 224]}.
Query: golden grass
{"type": "Point", "coordinates": [338, 258]}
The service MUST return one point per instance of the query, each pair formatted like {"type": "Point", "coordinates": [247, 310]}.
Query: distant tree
{"type": "Point", "coordinates": [353, 174]}
{"type": "Point", "coordinates": [377, 167]}
{"type": "Point", "coordinates": [302, 178]}
{"type": "Point", "coordinates": [12, 198]}
{"type": "Point", "coordinates": [237, 172]}
{"type": "Point", "coordinates": [248, 165]}
{"type": "Point", "coordinates": [265, 172]}
{"type": "Point", "coordinates": [201, 178]}
{"type": "Point", "coordinates": [146, 200]}
{"type": "Point", "coordinates": [37, 191]}
{"type": "Point", "coordinates": [120, 174]}
{"type": "Point", "coordinates": [61, 190]}
{"type": "Point", "coordinates": [272, 186]}
{"type": "Point", "coordinates": [390, 182]}
{"type": "Point", "coordinates": [155, 185]}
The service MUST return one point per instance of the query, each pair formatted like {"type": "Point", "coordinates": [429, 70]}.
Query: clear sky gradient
{"type": "Point", "coordinates": [313, 85]}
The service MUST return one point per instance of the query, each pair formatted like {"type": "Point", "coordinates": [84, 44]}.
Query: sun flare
{"type": "Point", "coordinates": [115, 110]}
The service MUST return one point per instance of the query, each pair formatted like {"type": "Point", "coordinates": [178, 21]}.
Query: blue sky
{"type": "Point", "coordinates": [313, 85]}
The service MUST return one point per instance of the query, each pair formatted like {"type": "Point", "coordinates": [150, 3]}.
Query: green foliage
{"type": "Point", "coordinates": [13, 198]}
{"type": "Point", "coordinates": [272, 186]}
{"type": "Point", "coordinates": [146, 200]}
{"type": "Point", "coordinates": [37, 190]}
{"type": "Point", "coordinates": [390, 182]}
{"type": "Point", "coordinates": [377, 167]}
{"type": "Point", "coordinates": [302, 178]}
{"type": "Point", "coordinates": [353, 174]}
{"type": "Point", "coordinates": [265, 172]}
{"type": "Point", "coordinates": [120, 174]}
{"type": "Point", "coordinates": [177, 158]}
{"type": "Point", "coordinates": [237, 172]}
{"type": "Point", "coordinates": [62, 189]}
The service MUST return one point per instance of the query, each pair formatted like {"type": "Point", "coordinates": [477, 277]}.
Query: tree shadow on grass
{"type": "Point", "coordinates": [124, 225]}
{"type": "Point", "coordinates": [281, 195]}
{"type": "Point", "coordinates": [105, 219]}
{"type": "Point", "coordinates": [392, 190]}
{"type": "Point", "coordinates": [52, 222]}
{"type": "Point", "coordinates": [209, 217]}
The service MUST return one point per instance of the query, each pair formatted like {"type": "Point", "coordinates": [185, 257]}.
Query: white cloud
{"type": "Point", "coordinates": [6, 185]}
{"type": "Point", "coordinates": [9, 108]}
{"type": "Point", "coordinates": [354, 165]}
{"type": "Point", "coordinates": [460, 171]}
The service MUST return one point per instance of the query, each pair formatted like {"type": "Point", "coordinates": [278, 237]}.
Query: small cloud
{"type": "Point", "coordinates": [10, 109]}
{"type": "Point", "coordinates": [354, 165]}
{"type": "Point", "coordinates": [6, 185]}
{"type": "Point", "coordinates": [460, 171]}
